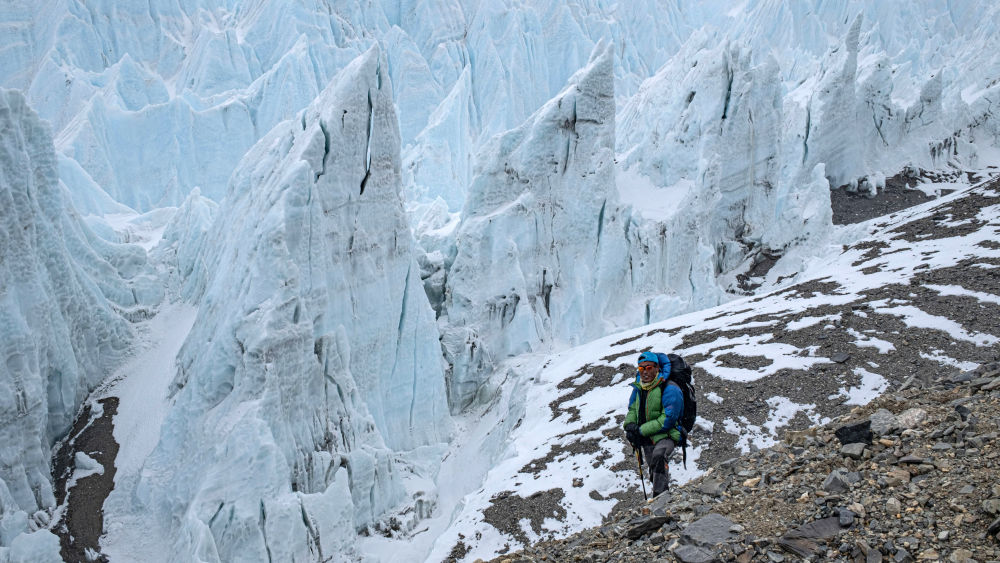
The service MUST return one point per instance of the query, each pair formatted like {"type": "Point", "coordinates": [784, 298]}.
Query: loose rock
{"type": "Point", "coordinates": [883, 422]}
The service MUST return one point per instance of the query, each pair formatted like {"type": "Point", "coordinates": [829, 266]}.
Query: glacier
{"type": "Point", "coordinates": [537, 212]}
{"type": "Point", "coordinates": [313, 365]}
{"type": "Point", "coordinates": [379, 212]}
{"type": "Point", "coordinates": [66, 300]}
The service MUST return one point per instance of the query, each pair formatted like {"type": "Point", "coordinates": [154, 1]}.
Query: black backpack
{"type": "Point", "coordinates": [680, 375]}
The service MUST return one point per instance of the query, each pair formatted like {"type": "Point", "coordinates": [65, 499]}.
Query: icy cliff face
{"type": "Point", "coordinates": [711, 134]}
{"type": "Point", "coordinates": [748, 145]}
{"type": "Point", "coordinates": [63, 296]}
{"type": "Point", "coordinates": [536, 215]}
{"type": "Point", "coordinates": [314, 364]}
{"type": "Point", "coordinates": [140, 96]}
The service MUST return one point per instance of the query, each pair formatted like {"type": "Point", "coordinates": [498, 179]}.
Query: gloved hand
{"type": "Point", "coordinates": [632, 434]}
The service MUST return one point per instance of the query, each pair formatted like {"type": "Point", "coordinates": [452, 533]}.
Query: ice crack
{"type": "Point", "coordinates": [368, 147]}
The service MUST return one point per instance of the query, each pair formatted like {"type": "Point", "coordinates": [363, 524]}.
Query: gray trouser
{"type": "Point", "coordinates": [656, 458]}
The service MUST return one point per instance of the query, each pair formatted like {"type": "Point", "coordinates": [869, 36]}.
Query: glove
{"type": "Point", "coordinates": [632, 434]}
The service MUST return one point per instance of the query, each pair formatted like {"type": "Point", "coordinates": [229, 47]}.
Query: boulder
{"type": "Point", "coordinates": [840, 480]}
{"type": "Point", "coordinates": [841, 357]}
{"type": "Point", "coordinates": [912, 418]}
{"type": "Point", "coordinates": [883, 422]}
{"type": "Point", "coordinates": [846, 517]}
{"type": "Point", "coordinates": [694, 554]}
{"type": "Point", "coordinates": [804, 540]}
{"type": "Point", "coordinates": [855, 433]}
{"type": "Point", "coordinates": [994, 529]}
{"type": "Point", "coordinates": [963, 377]}
{"type": "Point", "coordinates": [710, 530]}
{"type": "Point", "coordinates": [853, 451]}
{"type": "Point", "coordinates": [897, 477]}
{"type": "Point", "coordinates": [712, 486]}
{"type": "Point", "coordinates": [639, 527]}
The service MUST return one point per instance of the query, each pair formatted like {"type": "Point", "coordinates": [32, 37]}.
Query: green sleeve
{"type": "Point", "coordinates": [633, 413]}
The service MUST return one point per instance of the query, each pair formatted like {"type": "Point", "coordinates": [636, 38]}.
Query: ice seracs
{"type": "Point", "coordinates": [550, 207]}
{"type": "Point", "coordinates": [64, 298]}
{"type": "Point", "coordinates": [530, 252]}
{"type": "Point", "coordinates": [314, 365]}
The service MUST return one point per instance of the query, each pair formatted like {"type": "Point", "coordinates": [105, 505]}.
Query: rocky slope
{"type": "Point", "coordinates": [908, 476]}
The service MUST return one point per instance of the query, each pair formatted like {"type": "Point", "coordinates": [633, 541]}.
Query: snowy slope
{"type": "Point", "coordinates": [917, 296]}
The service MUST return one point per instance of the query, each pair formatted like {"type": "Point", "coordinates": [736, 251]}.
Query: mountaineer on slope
{"type": "Point", "coordinates": [656, 422]}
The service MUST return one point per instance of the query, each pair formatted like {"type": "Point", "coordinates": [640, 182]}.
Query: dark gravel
{"type": "Point", "coordinates": [82, 523]}
{"type": "Point", "coordinates": [854, 208]}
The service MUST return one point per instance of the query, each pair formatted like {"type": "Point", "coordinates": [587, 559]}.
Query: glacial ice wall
{"type": "Point", "coordinates": [64, 297]}
{"type": "Point", "coordinates": [314, 364]}
{"type": "Point", "coordinates": [762, 153]}
{"type": "Point", "coordinates": [733, 122]}
{"type": "Point", "coordinates": [139, 95]}
{"type": "Point", "coordinates": [538, 250]}
{"type": "Point", "coordinates": [715, 118]}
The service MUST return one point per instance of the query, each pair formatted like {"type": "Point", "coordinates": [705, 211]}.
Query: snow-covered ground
{"type": "Point", "coordinates": [141, 386]}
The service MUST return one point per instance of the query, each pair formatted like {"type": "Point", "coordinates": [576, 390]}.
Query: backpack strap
{"type": "Point", "coordinates": [680, 427]}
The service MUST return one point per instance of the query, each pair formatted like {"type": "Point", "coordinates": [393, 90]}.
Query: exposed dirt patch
{"type": "Point", "coordinates": [601, 376]}
{"type": "Point", "coordinates": [749, 281]}
{"type": "Point", "coordinates": [669, 332]}
{"type": "Point", "coordinates": [745, 362]}
{"type": "Point", "coordinates": [952, 219]}
{"type": "Point", "coordinates": [575, 447]}
{"type": "Point", "coordinates": [507, 509]}
{"type": "Point", "coordinates": [83, 519]}
{"type": "Point", "coordinates": [875, 249]}
{"type": "Point", "coordinates": [458, 552]}
{"type": "Point", "coordinates": [851, 208]}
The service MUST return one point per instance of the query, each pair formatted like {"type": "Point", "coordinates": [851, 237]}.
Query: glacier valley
{"type": "Point", "coordinates": [297, 280]}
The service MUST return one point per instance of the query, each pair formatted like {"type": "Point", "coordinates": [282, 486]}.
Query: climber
{"type": "Point", "coordinates": [652, 424]}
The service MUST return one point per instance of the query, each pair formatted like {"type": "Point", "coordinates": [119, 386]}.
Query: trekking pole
{"type": "Point", "coordinates": [638, 458]}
